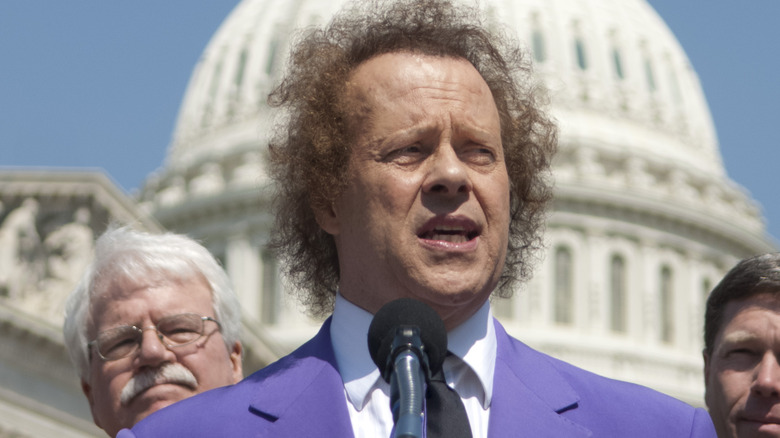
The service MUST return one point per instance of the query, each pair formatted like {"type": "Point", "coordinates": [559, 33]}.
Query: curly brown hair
{"type": "Point", "coordinates": [310, 151]}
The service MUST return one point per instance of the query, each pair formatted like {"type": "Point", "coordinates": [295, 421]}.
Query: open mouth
{"type": "Point", "coordinates": [451, 234]}
{"type": "Point", "coordinates": [449, 229]}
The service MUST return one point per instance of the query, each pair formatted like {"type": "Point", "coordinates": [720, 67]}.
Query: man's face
{"type": "Point", "coordinates": [425, 213]}
{"type": "Point", "coordinates": [742, 376]}
{"type": "Point", "coordinates": [208, 360]}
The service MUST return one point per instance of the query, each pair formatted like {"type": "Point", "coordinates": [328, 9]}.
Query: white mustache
{"type": "Point", "coordinates": [168, 373]}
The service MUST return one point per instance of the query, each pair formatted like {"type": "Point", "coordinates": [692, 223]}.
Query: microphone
{"type": "Point", "coordinates": [408, 343]}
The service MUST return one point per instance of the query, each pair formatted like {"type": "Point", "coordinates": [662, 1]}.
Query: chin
{"type": "Point", "coordinates": [454, 300]}
{"type": "Point", "coordinates": [446, 296]}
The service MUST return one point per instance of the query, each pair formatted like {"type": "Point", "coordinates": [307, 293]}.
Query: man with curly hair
{"type": "Point", "coordinates": [414, 163]}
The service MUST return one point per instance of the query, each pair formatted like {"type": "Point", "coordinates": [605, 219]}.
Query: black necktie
{"type": "Point", "coordinates": [446, 415]}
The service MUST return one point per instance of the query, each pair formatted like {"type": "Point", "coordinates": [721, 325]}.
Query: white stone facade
{"type": "Point", "coordinates": [644, 221]}
{"type": "Point", "coordinates": [48, 223]}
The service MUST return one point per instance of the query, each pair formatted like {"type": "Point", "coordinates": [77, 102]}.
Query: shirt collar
{"type": "Point", "coordinates": [349, 334]}
{"type": "Point", "coordinates": [474, 341]}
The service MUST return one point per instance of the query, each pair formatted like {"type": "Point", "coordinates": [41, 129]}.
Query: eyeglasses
{"type": "Point", "coordinates": [174, 331]}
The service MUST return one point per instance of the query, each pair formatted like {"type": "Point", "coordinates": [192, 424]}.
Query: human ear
{"type": "Point", "coordinates": [327, 218]}
{"type": "Point", "coordinates": [235, 359]}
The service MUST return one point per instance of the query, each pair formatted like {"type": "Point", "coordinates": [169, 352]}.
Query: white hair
{"type": "Point", "coordinates": [123, 254]}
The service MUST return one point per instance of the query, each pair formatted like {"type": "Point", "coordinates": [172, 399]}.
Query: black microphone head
{"type": "Point", "coordinates": [409, 312]}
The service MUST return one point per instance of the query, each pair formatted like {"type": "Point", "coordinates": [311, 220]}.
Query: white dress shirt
{"type": "Point", "coordinates": [470, 372]}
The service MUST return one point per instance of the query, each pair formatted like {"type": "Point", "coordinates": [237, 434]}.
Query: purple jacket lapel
{"type": "Point", "coordinates": [529, 395]}
{"type": "Point", "coordinates": [305, 397]}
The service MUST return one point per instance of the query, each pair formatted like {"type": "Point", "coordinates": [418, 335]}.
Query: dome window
{"type": "Point", "coordinates": [649, 76]}
{"type": "Point", "coordinates": [706, 287]}
{"type": "Point", "coordinates": [676, 92]}
{"type": "Point", "coordinates": [665, 305]}
{"type": "Point", "coordinates": [271, 294]}
{"type": "Point", "coordinates": [564, 285]}
{"type": "Point", "coordinates": [238, 80]}
{"type": "Point", "coordinates": [212, 96]}
{"type": "Point", "coordinates": [582, 60]}
{"type": "Point", "coordinates": [538, 46]}
{"type": "Point", "coordinates": [270, 63]}
{"type": "Point", "coordinates": [617, 62]}
{"type": "Point", "coordinates": [617, 292]}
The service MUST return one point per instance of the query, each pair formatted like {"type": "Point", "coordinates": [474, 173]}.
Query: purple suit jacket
{"type": "Point", "coordinates": [534, 395]}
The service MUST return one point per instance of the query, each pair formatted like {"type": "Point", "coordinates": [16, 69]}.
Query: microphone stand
{"type": "Point", "coordinates": [407, 382]}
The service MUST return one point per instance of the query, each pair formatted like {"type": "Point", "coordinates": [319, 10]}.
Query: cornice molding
{"type": "Point", "coordinates": [572, 203]}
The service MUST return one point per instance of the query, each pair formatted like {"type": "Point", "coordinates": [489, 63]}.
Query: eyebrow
{"type": "Point", "coordinates": [477, 133]}
{"type": "Point", "coordinates": [739, 336]}
{"type": "Point", "coordinates": [413, 131]}
{"type": "Point", "coordinates": [480, 134]}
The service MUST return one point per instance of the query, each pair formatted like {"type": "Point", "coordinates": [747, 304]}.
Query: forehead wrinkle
{"type": "Point", "coordinates": [452, 95]}
{"type": "Point", "coordinates": [445, 90]}
{"type": "Point", "coordinates": [372, 93]}
{"type": "Point", "coordinates": [416, 130]}
{"type": "Point", "coordinates": [461, 123]}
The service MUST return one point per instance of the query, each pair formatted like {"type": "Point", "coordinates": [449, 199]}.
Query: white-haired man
{"type": "Point", "coordinates": [153, 321]}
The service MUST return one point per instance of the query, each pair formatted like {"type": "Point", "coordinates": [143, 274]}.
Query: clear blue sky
{"type": "Point", "coordinates": [98, 83]}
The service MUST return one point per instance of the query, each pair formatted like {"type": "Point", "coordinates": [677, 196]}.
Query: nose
{"type": "Point", "coordinates": [767, 381]}
{"type": "Point", "coordinates": [152, 351]}
{"type": "Point", "coordinates": [448, 174]}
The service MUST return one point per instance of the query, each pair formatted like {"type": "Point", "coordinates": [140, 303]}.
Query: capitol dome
{"type": "Point", "coordinates": [645, 220]}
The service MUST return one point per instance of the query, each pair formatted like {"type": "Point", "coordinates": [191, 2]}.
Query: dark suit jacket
{"type": "Point", "coordinates": [534, 395]}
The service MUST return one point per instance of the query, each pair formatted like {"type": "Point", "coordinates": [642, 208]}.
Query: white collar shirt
{"type": "Point", "coordinates": [470, 372]}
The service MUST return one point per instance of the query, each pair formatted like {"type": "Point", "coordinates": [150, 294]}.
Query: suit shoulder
{"type": "Point", "coordinates": [195, 416]}
{"type": "Point", "coordinates": [229, 410]}
{"type": "Point", "coordinates": [587, 383]}
{"type": "Point", "coordinates": [610, 407]}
